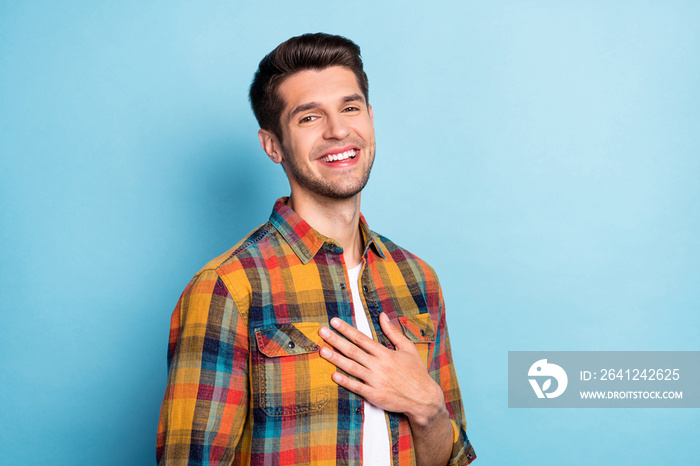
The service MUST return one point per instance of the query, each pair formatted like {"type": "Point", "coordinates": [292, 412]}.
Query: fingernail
{"type": "Point", "coordinates": [324, 332]}
{"type": "Point", "coordinates": [326, 353]}
{"type": "Point", "coordinates": [335, 322]}
{"type": "Point", "coordinates": [337, 378]}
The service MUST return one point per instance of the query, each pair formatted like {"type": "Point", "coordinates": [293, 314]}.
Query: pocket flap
{"type": "Point", "coordinates": [288, 339]}
{"type": "Point", "coordinates": [418, 328]}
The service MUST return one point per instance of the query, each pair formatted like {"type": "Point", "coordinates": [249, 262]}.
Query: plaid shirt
{"type": "Point", "coordinates": [246, 383]}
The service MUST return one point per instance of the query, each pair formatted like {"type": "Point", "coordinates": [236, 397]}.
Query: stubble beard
{"type": "Point", "coordinates": [323, 187]}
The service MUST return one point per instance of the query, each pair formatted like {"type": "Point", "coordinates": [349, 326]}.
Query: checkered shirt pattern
{"type": "Point", "coordinates": [246, 383]}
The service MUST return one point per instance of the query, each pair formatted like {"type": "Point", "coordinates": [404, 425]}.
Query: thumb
{"type": "Point", "coordinates": [395, 335]}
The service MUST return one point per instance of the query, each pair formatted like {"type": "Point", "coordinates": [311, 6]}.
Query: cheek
{"type": "Point", "coordinates": [303, 142]}
{"type": "Point", "coordinates": [367, 131]}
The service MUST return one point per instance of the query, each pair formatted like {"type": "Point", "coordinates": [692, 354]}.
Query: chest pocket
{"type": "Point", "coordinates": [419, 329]}
{"type": "Point", "coordinates": [289, 376]}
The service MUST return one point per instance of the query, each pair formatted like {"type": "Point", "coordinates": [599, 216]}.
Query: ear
{"type": "Point", "coordinates": [371, 113]}
{"type": "Point", "coordinates": [270, 145]}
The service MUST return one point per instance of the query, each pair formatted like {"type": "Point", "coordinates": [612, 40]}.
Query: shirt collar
{"type": "Point", "coordinates": [305, 241]}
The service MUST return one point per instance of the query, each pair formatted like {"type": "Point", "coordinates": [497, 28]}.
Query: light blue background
{"type": "Point", "coordinates": [543, 156]}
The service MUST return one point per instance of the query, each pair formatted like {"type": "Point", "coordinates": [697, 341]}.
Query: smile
{"type": "Point", "coordinates": [349, 154]}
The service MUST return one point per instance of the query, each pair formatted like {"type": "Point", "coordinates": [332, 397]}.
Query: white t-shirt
{"type": "Point", "coordinates": [376, 447]}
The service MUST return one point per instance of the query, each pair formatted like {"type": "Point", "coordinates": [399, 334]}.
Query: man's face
{"type": "Point", "coordinates": [327, 132]}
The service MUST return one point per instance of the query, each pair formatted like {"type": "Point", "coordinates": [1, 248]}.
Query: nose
{"type": "Point", "coordinates": [336, 127]}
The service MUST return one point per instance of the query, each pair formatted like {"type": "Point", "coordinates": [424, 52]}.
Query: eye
{"type": "Point", "coordinates": [352, 108]}
{"type": "Point", "coordinates": [308, 119]}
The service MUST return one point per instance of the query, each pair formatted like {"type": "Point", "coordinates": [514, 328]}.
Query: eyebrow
{"type": "Point", "coordinates": [312, 105]}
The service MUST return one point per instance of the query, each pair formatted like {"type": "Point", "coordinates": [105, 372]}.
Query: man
{"type": "Point", "coordinates": [256, 375]}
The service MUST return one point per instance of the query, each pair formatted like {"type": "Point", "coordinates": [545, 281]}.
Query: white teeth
{"type": "Point", "coordinates": [343, 156]}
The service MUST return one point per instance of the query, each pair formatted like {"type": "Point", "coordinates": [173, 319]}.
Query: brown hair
{"type": "Point", "coordinates": [308, 51]}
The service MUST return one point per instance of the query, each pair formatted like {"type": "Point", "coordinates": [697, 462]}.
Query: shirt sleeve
{"type": "Point", "coordinates": [206, 398]}
{"type": "Point", "coordinates": [443, 371]}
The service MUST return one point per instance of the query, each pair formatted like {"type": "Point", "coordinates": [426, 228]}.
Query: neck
{"type": "Point", "coordinates": [335, 218]}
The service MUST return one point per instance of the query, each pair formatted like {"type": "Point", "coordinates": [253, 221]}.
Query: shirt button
{"type": "Point", "coordinates": [422, 333]}
{"type": "Point", "coordinates": [343, 286]}
{"type": "Point", "coordinates": [364, 288]}
{"type": "Point", "coordinates": [290, 345]}
{"type": "Point", "coordinates": [358, 410]}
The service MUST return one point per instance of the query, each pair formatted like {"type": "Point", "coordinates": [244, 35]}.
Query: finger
{"type": "Point", "coordinates": [395, 335]}
{"type": "Point", "coordinates": [355, 386]}
{"type": "Point", "coordinates": [348, 365]}
{"type": "Point", "coordinates": [341, 344]}
{"type": "Point", "coordinates": [356, 337]}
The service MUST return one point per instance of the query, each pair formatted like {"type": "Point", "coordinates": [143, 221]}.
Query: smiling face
{"type": "Point", "coordinates": [327, 146]}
